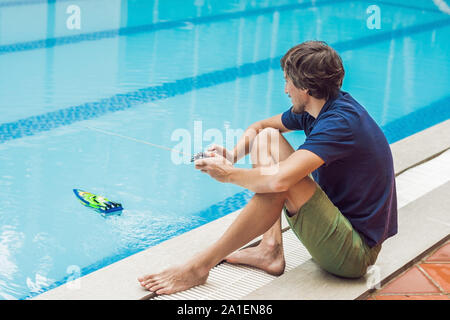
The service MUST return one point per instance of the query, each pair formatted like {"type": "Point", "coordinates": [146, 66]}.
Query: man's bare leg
{"type": "Point", "coordinates": [259, 215]}
{"type": "Point", "coordinates": [269, 254]}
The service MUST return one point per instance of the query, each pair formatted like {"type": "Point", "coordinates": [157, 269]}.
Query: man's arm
{"type": "Point", "coordinates": [244, 144]}
{"type": "Point", "coordinates": [283, 176]}
{"type": "Point", "coordinates": [276, 178]}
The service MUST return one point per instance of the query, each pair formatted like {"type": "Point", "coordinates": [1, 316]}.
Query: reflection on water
{"type": "Point", "coordinates": [11, 241]}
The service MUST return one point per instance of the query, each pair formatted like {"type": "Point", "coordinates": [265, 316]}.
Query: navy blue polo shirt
{"type": "Point", "coordinates": [358, 173]}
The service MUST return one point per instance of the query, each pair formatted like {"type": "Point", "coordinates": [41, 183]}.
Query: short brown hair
{"type": "Point", "coordinates": [315, 66]}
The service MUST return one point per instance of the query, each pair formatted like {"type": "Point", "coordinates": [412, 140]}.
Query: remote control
{"type": "Point", "coordinates": [199, 155]}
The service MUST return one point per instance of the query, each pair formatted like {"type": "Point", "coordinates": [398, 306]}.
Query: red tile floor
{"type": "Point", "coordinates": [428, 279]}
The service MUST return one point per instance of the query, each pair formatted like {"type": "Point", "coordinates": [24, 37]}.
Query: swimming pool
{"type": "Point", "coordinates": [99, 108]}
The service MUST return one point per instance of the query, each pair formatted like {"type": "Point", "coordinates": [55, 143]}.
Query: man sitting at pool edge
{"type": "Point", "coordinates": [337, 190]}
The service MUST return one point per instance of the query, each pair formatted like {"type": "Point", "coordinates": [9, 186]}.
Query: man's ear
{"type": "Point", "coordinates": [306, 91]}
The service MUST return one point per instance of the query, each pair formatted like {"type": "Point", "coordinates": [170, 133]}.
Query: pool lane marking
{"type": "Point", "coordinates": [124, 31]}
{"type": "Point", "coordinates": [435, 112]}
{"type": "Point", "coordinates": [39, 2]}
{"type": "Point", "coordinates": [135, 140]}
{"type": "Point", "coordinates": [111, 33]}
{"type": "Point", "coordinates": [401, 5]}
{"type": "Point", "coordinates": [29, 2]}
{"type": "Point", "coordinates": [54, 119]}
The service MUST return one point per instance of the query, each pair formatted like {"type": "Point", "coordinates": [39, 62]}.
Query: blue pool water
{"type": "Point", "coordinates": [99, 108]}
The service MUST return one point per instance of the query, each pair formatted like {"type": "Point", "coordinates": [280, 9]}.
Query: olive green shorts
{"type": "Point", "coordinates": [330, 238]}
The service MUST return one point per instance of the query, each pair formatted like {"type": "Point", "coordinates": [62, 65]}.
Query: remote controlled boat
{"type": "Point", "coordinates": [98, 203]}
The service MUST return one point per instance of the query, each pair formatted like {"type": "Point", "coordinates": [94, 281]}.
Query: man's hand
{"type": "Point", "coordinates": [222, 151]}
{"type": "Point", "coordinates": [216, 166]}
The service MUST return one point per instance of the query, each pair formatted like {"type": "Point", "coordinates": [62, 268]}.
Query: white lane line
{"type": "Point", "coordinates": [133, 139]}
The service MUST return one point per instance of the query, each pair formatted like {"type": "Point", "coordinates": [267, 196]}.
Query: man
{"type": "Point", "coordinates": [341, 214]}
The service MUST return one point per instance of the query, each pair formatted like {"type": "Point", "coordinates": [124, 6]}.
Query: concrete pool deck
{"type": "Point", "coordinates": [423, 223]}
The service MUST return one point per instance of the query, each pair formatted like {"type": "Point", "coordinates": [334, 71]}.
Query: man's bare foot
{"type": "Point", "coordinates": [269, 258]}
{"type": "Point", "coordinates": [174, 279]}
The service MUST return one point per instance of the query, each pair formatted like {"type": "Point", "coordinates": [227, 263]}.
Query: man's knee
{"type": "Point", "coordinates": [265, 145]}
{"type": "Point", "coordinates": [267, 135]}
